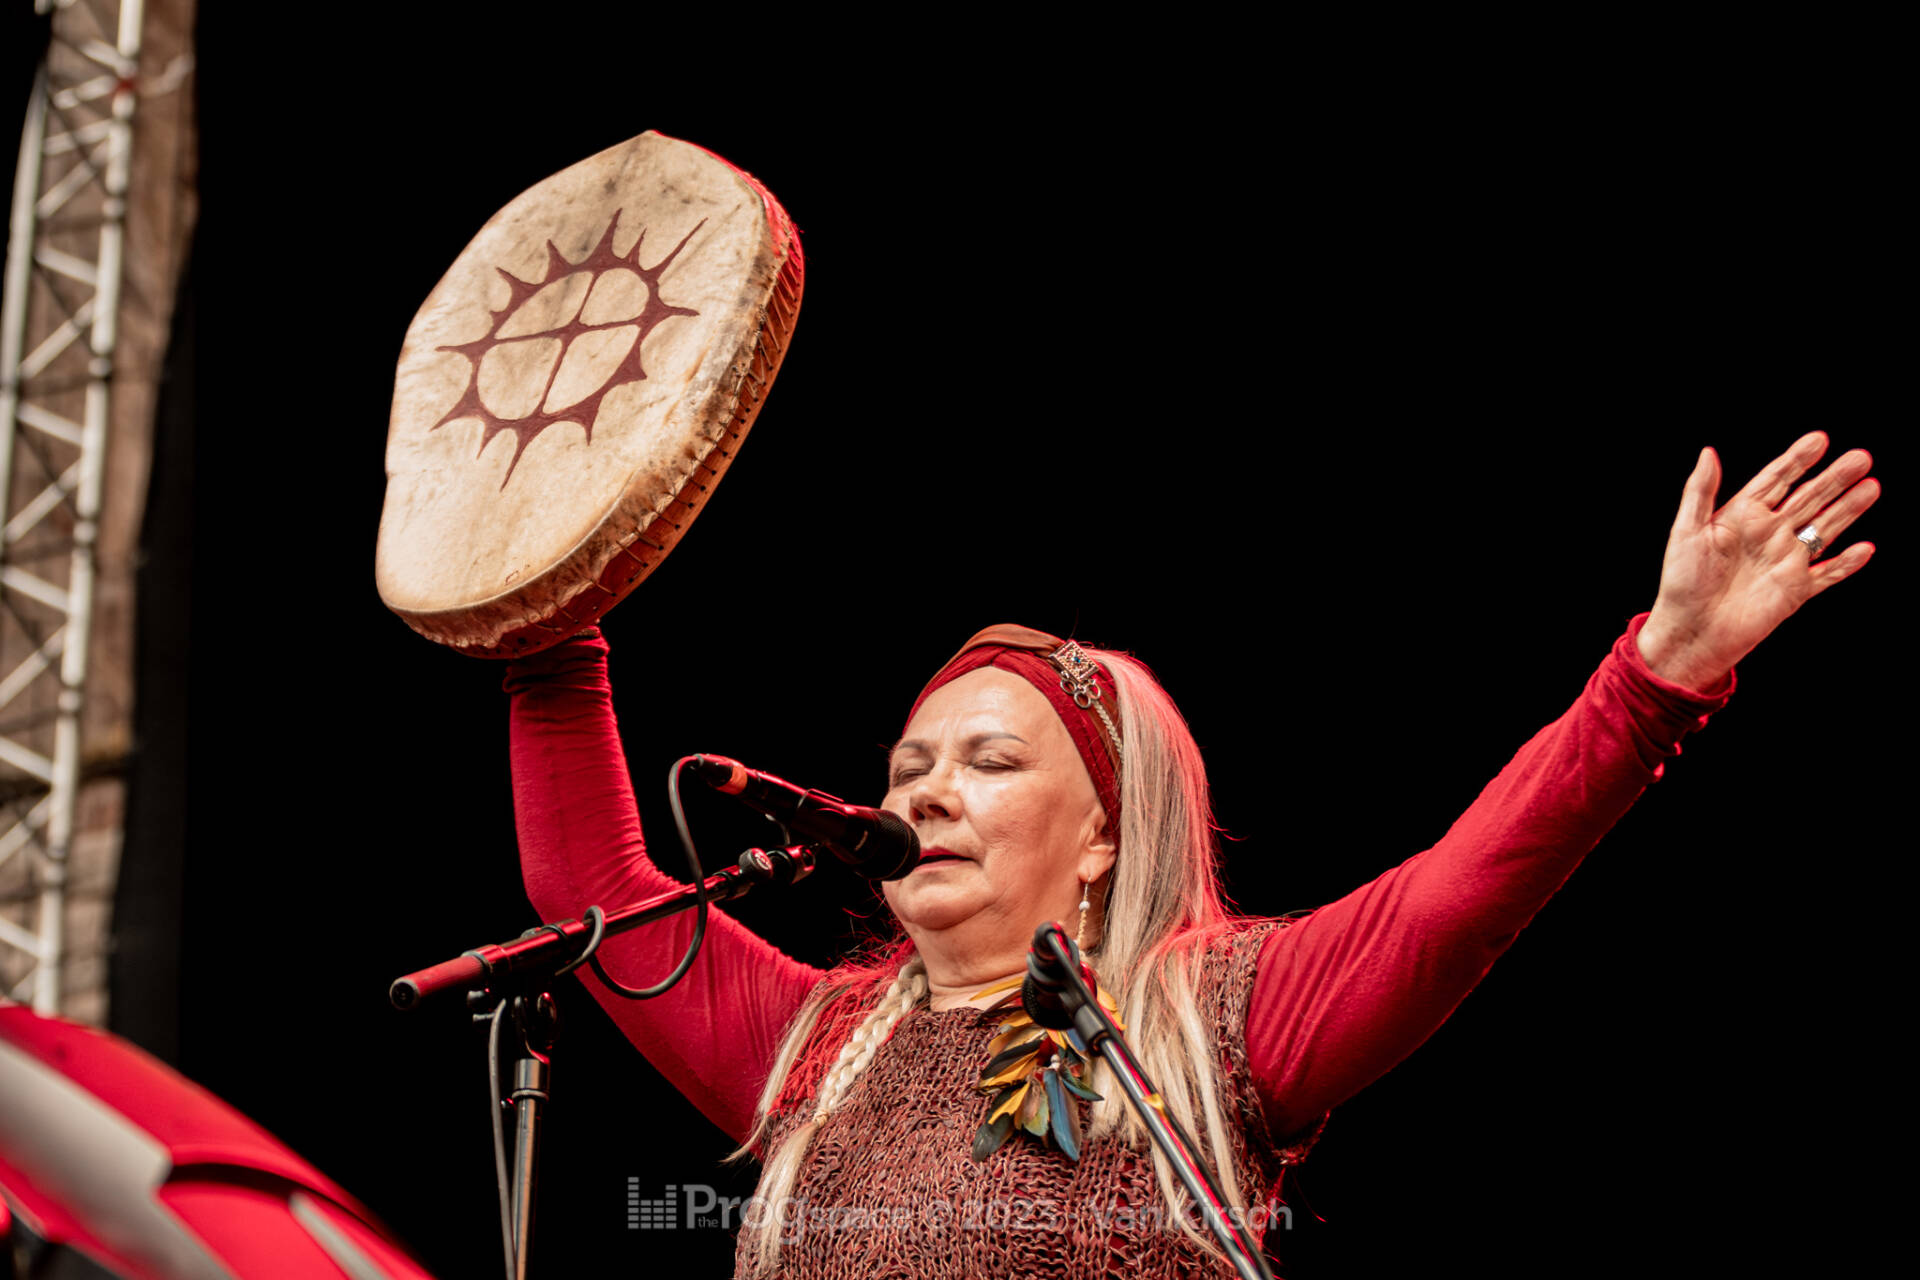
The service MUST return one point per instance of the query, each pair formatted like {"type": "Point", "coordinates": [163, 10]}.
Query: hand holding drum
{"type": "Point", "coordinates": [574, 388]}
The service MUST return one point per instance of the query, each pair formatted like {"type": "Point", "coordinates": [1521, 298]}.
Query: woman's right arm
{"type": "Point", "coordinates": [715, 1034]}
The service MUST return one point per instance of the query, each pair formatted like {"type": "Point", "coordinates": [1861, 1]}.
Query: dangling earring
{"type": "Point", "coordinates": [1080, 934]}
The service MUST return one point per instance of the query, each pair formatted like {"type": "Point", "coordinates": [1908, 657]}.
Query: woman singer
{"type": "Point", "coordinates": [909, 1118]}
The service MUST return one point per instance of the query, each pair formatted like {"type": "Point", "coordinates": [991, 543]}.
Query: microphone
{"type": "Point", "coordinates": [876, 844]}
{"type": "Point", "coordinates": [1044, 993]}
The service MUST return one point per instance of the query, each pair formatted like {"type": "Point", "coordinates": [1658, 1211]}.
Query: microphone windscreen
{"type": "Point", "coordinates": [892, 850]}
{"type": "Point", "coordinates": [1044, 1004]}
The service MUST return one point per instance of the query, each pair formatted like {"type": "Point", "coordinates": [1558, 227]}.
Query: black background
{"type": "Point", "coordinates": [1354, 393]}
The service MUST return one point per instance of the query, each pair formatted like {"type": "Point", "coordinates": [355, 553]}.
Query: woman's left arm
{"type": "Point", "coordinates": [1343, 995]}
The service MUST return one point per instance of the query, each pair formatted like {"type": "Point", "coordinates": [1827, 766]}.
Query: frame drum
{"type": "Point", "coordinates": [574, 388]}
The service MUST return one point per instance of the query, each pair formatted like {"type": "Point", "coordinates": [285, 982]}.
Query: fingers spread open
{"type": "Point", "coordinates": [1774, 479]}
{"type": "Point", "coordinates": [1833, 521]}
{"type": "Point", "coordinates": [1846, 470]}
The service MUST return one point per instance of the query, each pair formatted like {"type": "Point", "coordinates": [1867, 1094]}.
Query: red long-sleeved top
{"type": "Point", "coordinates": [1339, 997]}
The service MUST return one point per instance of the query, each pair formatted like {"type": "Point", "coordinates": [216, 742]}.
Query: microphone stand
{"type": "Point", "coordinates": [506, 983]}
{"type": "Point", "coordinates": [1058, 997]}
{"type": "Point", "coordinates": [546, 951]}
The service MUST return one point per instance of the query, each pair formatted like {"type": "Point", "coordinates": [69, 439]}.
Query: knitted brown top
{"type": "Point", "coordinates": [889, 1187]}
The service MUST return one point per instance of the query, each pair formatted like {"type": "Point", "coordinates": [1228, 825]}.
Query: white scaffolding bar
{"type": "Point", "coordinates": [58, 331]}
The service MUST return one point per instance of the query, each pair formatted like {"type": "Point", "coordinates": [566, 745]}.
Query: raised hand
{"type": "Point", "coordinates": [1732, 575]}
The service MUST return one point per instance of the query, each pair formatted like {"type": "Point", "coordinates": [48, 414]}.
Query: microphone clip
{"type": "Point", "coordinates": [1060, 991]}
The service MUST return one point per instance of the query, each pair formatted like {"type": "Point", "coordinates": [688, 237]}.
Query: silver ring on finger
{"type": "Point", "coordinates": [1812, 541]}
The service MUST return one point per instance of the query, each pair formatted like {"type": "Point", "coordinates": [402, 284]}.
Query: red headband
{"type": "Point", "coordinates": [1080, 689]}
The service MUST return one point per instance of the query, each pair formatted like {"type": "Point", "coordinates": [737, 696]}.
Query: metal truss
{"type": "Point", "coordinates": [58, 327]}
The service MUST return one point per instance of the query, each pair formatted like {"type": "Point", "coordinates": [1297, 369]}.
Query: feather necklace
{"type": "Point", "coordinates": [1036, 1077]}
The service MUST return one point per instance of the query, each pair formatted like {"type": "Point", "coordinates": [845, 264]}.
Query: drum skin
{"type": "Point", "coordinates": [574, 388]}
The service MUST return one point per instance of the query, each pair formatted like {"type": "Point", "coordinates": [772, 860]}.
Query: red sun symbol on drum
{"type": "Point", "coordinates": [563, 342]}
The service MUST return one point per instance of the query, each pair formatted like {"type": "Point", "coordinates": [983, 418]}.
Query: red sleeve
{"type": "Point", "coordinates": [1347, 992]}
{"type": "Point", "coordinates": [715, 1033]}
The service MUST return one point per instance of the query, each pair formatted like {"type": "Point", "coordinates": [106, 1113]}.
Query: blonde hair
{"type": "Point", "coordinates": [1162, 910]}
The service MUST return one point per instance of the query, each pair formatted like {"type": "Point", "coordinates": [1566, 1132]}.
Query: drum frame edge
{"type": "Point", "coordinates": [642, 551]}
